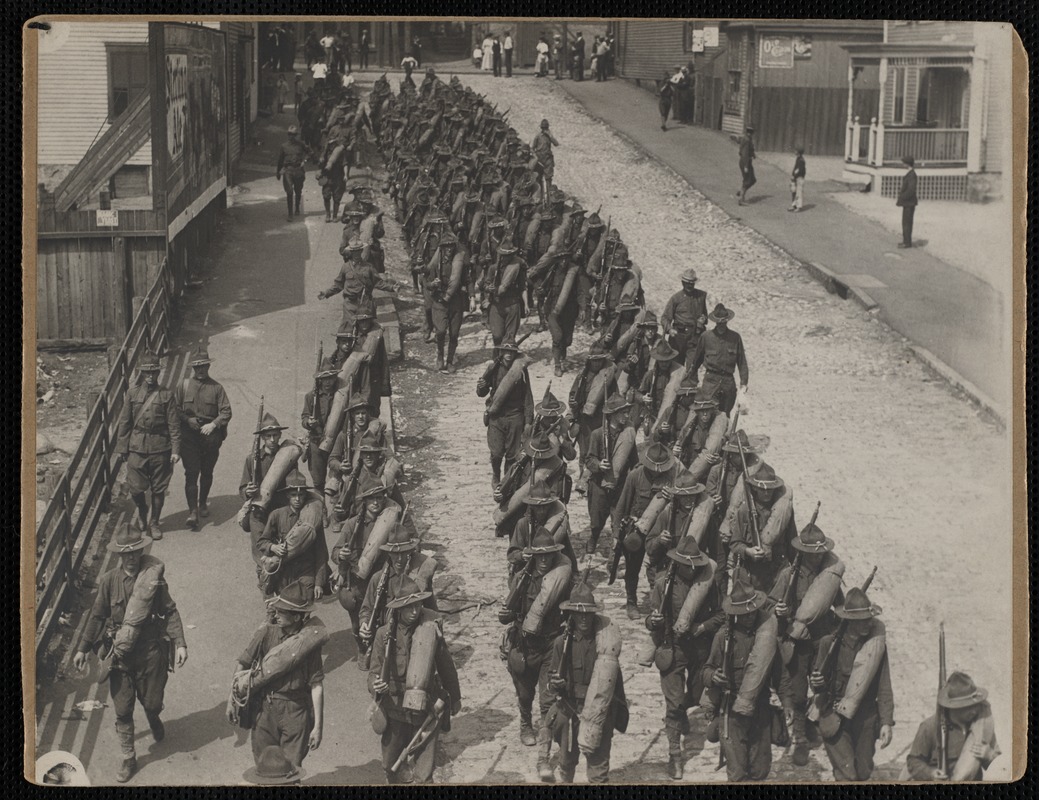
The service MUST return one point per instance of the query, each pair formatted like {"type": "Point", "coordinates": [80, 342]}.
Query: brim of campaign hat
{"type": "Point", "coordinates": [407, 600]}
{"type": "Point", "coordinates": [824, 546]}
{"type": "Point", "coordinates": [252, 776]}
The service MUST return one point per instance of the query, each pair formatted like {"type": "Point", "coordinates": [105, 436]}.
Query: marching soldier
{"type": "Point", "coordinates": [699, 441]}
{"type": "Point", "coordinates": [445, 279]}
{"type": "Point", "coordinates": [542, 147]}
{"type": "Point", "coordinates": [357, 279]}
{"type": "Point", "coordinates": [589, 688]}
{"type": "Point", "coordinates": [345, 457]}
{"type": "Point", "coordinates": [253, 474]}
{"type": "Point", "coordinates": [550, 417]}
{"type": "Point", "coordinates": [533, 615]}
{"type": "Point", "coordinates": [592, 234]}
{"type": "Point", "coordinates": [656, 469]}
{"type": "Point", "coordinates": [560, 288]}
{"type": "Point", "coordinates": [204, 412]}
{"type": "Point", "coordinates": [372, 380]}
{"type": "Point", "coordinates": [674, 416]}
{"type": "Point", "coordinates": [140, 653]}
{"type": "Point", "coordinates": [371, 230]}
{"type": "Point", "coordinates": [803, 600]}
{"type": "Point", "coordinates": [970, 745]}
{"type": "Point", "coordinates": [720, 352]}
{"type": "Point", "coordinates": [611, 454]}
{"type": "Point", "coordinates": [671, 523]}
{"type": "Point", "coordinates": [662, 373]}
{"type": "Point", "coordinates": [148, 440]}
{"type": "Point", "coordinates": [291, 172]}
{"type": "Point", "coordinates": [346, 335]}
{"type": "Point", "coordinates": [544, 510]}
{"type": "Point", "coordinates": [764, 553]}
{"type": "Point", "coordinates": [510, 405]}
{"type": "Point", "coordinates": [685, 317]}
{"type": "Point", "coordinates": [285, 560]}
{"type": "Point", "coordinates": [316, 405]}
{"type": "Point", "coordinates": [863, 710]}
{"type": "Point", "coordinates": [737, 676]}
{"type": "Point", "coordinates": [686, 615]}
{"type": "Point", "coordinates": [721, 483]}
{"type": "Point", "coordinates": [540, 462]}
{"type": "Point", "coordinates": [332, 175]}
{"type": "Point", "coordinates": [503, 286]}
{"type": "Point", "coordinates": [414, 683]}
{"type": "Point", "coordinates": [584, 416]}
{"type": "Point", "coordinates": [290, 711]}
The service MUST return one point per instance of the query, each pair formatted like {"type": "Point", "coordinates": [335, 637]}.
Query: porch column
{"type": "Point", "coordinates": [849, 147]}
{"type": "Point", "coordinates": [976, 74]}
{"type": "Point", "coordinates": [877, 152]}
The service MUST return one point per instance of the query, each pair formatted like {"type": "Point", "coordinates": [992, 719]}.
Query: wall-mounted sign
{"type": "Point", "coordinates": [698, 42]}
{"type": "Point", "coordinates": [776, 52]}
{"type": "Point", "coordinates": [802, 48]}
{"type": "Point", "coordinates": [107, 218]}
{"type": "Point", "coordinates": [710, 37]}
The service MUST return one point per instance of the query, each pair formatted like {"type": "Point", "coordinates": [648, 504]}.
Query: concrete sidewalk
{"type": "Point", "coordinates": [958, 318]}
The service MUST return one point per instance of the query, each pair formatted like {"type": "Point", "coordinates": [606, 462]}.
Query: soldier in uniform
{"type": "Point", "coordinates": [550, 418]}
{"type": "Point", "coordinates": [309, 566]}
{"type": "Point", "coordinates": [345, 455]}
{"type": "Point", "coordinates": [581, 423]}
{"type": "Point", "coordinates": [560, 288]}
{"type": "Point", "coordinates": [204, 412]}
{"type": "Point", "coordinates": [852, 746]}
{"type": "Point", "coordinates": [542, 147]}
{"type": "Point", "coordinates": [966, 709]}
{"type": "Point", "coordinates": [670, 525]}
{"type": "Point", "coordinates": [372, 380]}
{"type": "Point", "coordinates": [655, 380]}
{"type": "Point", "coordinates": [720, 484]}
{"type": "Point", "coordinates": [291, 173]}
{"type": "Point", "coordinates": [615, 436]}
{"type": "Point", "coordinates": [503, 287]}
{"type": "Point", "coordinates": [148, 440]}
{"type": "Point", "coordinates": [332, 176]}
{"type": "Point", "coordinates": [544, 510]}
{"type": "Point", "coordinates": [371, 230]}
{"type": "Point", "coordinates": [357, 279]}
{"type": "Point", "coordinates": [747, 742]}
{"type": "Point", "coordinates": [292, 710]}
{"type": "Point", "coordinates": [692, 437]}
{"type": "Point", "coordinates": [505, 427]}
{"type": "Point", "coordinates": [720, 352]}
{"type": "Point", "coordinates": [572, 666]}
{"type": "Point", "coordinates": [529, 646]}
{"type": "Point", "coordinates": [140, 674]}
{"type": "Point", "coordinates": [681, 658]}
{"type": "Point", "coordinates": [685, 316]}
{"type": "Point", "coordinates": [445, 279]}
{"type": "Point", "coordinates": [316, 405]}
{"type": "Point", "coordinates": [746, 165]}
{"type": "Point", "coordinates": [387, 684]}
{"type": "Point", "coordinates": [761, 562]}
{"type": "Point", "coordinates": [253, 474]}
{"type": "Point", "coordinates": [656, 469]}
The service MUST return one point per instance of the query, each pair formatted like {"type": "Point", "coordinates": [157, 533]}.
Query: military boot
{"type": "Point", "coordinates": [124, 733]}
{"type": "Point", "coordinates": [544, 746]}
{"type": "Point", "coordinates": [557, 358]}
{"type": "Point", "coordinates": [155, 724]}
{"type": "Point", "coordinates": [440, 353]}
{"type": "Point", "coordinates": [452, 346]}
{"type": "Point", "coordinates": [675, 765]}
{"type": "Point", "coordinates": [527, 734]}
{"type": "Point", "coordinates": [631, 607]}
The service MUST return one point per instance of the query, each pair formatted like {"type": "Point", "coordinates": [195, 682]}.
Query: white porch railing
{"type": "Point", "coordinates": [882, 144]}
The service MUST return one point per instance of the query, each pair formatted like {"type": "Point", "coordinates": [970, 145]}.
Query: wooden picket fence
{"type": "Point", "coordinates": [68, 525]}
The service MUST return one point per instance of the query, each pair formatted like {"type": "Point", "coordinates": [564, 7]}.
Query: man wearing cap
{"type": "Point", "coordinates": [582, 417]}
{"type": "Point", "coordinates": [681, 656]}
{"type": "Point", "coordinates": [542, 147]}
{"type": "Point", "coordinates": [907, 201]}
{"type": "Point", "coordinates": [670, 525]}
{"type": "Point", "coordinates": [663, 370]}
{"type": "Point", "coordinates": [760, 562]}
{"type": "Point", "coordinates": [514, 412]}
{"type": "Point", "coordinates": [307, 565]}
{"type": "Point", "coordinates": [316, 405]}
{"type": "Point", "coordinates": [721, 483]}
{"type": "Point", "coordinates": [345, 455]}
{"type": "Point", "coordinates": [559, 285]}
{"type": "Point", "coordinates": [800, 632]}
{"type": "Point", "coordinates": [403, 561]}
{"type": "Point", "coordinates": [540, 462]}
{"type": "Point", "coordinates": [141, 673]}
{"type": "Point", "coordinates": [544, 229]}
{"type": "Point", "coordinates": [388, 683]}
{"type": "Point", "coordinates": [357, 279]}
{"type": "Point", "coordinates": [969, 737]}
{"type": "Point", "coordinates": [333, 165]}
{"type": "Point", "coordinates": [657, 469]}
{"type": "Point", "coordinates": [148, 440]}
{"type": "Point", "coordinates": [291, 711]}
{"type": "Point", "coordinates": [612, 442]}
{"type": "Point", "coordinates": [746, 165]}
{"type": "Point", "coordinates": [253, 474]}
{"type": "Point", "coordinates": [544, 510]}
{"type": "Point", "coordinates": [720, 352]}
{"type": "Point", "coordinates": [746, 713]}
{"type": "Point", "coordinates": [633, 349]}
{"type": "Point", "coordinates": [699, 440]}
{"type": "Point", "coordinates": [291, 158]}
{"type": "Point", "coordinates": [377, 464]}
{"type": "Point", "coordinates": [204, 412]}
{"type": "Point", "coordinates": [675, 416]}
{"type": "Point", "coordinates": [550, 416]}
{"type": "Point", "coordinates": [575, 657]}
{"type": "Point", "coordinates": [504, 280]}
{"type": "Point", "coordinates": [371, 230]}
{"type": "Point", "coordinates": [852, 746]}
{"type": "Point", "coordinates": [529, 642]}
{"type": "Point", "coordinates": [445, 280]}
{"type": "Point", "coordinates": [353, 535]}
{"type": "Point", "coordinates": [685, 316]}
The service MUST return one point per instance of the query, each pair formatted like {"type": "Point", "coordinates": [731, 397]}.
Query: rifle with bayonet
{"type": "Point", "coordinates": [728, 653]}
{"type": "Point", "coordinates": [255, 474]}
{"type": "Point", "coordinates": [627, 526]}
{"type": "Point", "coordinates": [942, 716]}
{"type": "Point", "coordinates": [747, 496]}
{"type": "Point", "coordinates": [317, 390]}
{"type": "Point", "coordinates": [367, 630]}
{"type": "Point", "coordinates": [605, 271]}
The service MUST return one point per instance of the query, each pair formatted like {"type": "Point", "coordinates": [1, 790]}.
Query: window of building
{"type": "Point", "coordinates": [898, 79]}
{"type": "Point", "coordinates": [732, 93]}
{"type": "Point", "coordinates": [127, 76]}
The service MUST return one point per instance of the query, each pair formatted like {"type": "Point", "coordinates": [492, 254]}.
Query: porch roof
{"type": "Point", "coordinates": [874, 51]}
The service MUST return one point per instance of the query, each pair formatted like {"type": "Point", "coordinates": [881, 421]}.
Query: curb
{"type": "Point", "coordinates": [836, 285]}
{"type": "Point", "coordinates": [951, 376]}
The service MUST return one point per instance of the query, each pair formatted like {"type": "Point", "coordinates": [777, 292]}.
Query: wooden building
{"type": "Point", "coordinates": [944, 99]}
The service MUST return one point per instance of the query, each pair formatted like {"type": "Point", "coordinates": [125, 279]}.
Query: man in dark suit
{"type": "Point", "coordinates": [579, 60]}
{"type": "Point", "coordinates": [907, 200]}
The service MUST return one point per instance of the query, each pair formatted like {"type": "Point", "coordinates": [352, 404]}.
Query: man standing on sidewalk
{"type": "Point", "coordinates": [204, 412]}
{"type": "Point", "coordinates": [506, 46]}
{"type": "Point", "coordinates": [746, 165]}
{"type": "Point", "coordinates": [363, 48]}
{"type": "Point", "coordinates": [907, 201]}
{"type": "Point", "coordinates": [290, 172]}
{"type": "Point", "coordinates": [148, 440]}
{"type": "Point", "coordinates": [578, 63]}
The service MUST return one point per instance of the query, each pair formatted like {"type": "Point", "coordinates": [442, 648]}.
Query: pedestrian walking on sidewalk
{"type": "Point", "coordinates": [907, 202]}
{"type": "Point", "coordinates": [746, 165]}
{"type": "Point", "coordinates": [797, 182]}
{"type": "Point", "coordinates": [291, 157]}
{"type": "Point", "coordinates": [578, 60]}
{"type": "Point", "coordinates": [204, 412]}
{"type": "Point", "coordinates": [667, 96]}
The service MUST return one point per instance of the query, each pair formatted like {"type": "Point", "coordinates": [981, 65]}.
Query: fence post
{"type": "Point", "coordinates": [106, 454]}
{"type": "Point", "coordinates": [66, 530]}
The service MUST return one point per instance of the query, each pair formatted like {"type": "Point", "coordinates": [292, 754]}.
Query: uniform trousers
{"type": "Point", "coordinates": [148, 472]}
{"type": "Point", "coordinates": [505, 435]}
{"type": "Point", "coordinates": [504, 319]}
{"type": "Point", "coordinates": [285, 723]}
{"type": "Point", "coordinates": [748, 747]}
{"type": "Point", "coordinates": [198, 454]}
{"type": "Point", "coordinates": [142, 678]}
{"type": "Point", "coordinates": [395, 739]}
{"type": "Point", "coordinates": [534, 679]}
{"type": "Point", "coordinates": [292, 182]}
{"type": "Point", "coordinates": [317, 463]}
{"type": "Point", "coordinates": [851, 751]}
{"type": "Point", "coordinates": [598, 760]}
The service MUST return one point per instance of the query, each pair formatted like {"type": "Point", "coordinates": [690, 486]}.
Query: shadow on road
{"type": "Point", "coordinates": [473, 728]}
{"type": "Point", "coordinates": [369, 773]}
{"type": "Point", "coordinates": [340, 648]}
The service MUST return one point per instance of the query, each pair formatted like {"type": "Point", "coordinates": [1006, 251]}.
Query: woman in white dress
{"type": "Point", "coordinates": [488, 56]}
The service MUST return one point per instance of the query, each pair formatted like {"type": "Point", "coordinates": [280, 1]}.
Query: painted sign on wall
{"type": "Point", "coordinates": [776, 52]}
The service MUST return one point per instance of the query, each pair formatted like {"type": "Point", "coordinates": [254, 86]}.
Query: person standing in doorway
{"type": "Point", "coordinates": [907, 202]}
{"type": "Point", "coordinates": [506, 45]}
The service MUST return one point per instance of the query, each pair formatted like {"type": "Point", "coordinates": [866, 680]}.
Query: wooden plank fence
{"type": "Point", "coordinates": [71, 519]}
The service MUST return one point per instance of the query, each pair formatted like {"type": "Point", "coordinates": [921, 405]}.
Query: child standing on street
{"type": "Point", "coordinates": [797, 181]}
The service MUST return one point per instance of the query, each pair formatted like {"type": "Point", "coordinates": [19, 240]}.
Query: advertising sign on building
{"type": "Point", "coordinates": [698, 41]}
{"type": "Point", "coordinates": [776, 52]}
{"type": "Point", "coordinates": [802, 48]}
{"type": "Point", "coordinates": [710, 36]}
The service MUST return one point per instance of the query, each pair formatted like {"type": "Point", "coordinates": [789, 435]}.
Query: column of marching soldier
{"type": "Point", "coordinates": [747, 617]}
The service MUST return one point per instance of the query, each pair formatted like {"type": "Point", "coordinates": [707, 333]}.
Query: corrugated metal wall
{"type": "Point", "coordinates": [73, 90]}
{"type": "Point", "coordinates": [812, 116]}
{"type": "Point", "coordinates": [649, 48]}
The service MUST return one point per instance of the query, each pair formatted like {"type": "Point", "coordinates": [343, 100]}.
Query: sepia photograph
{"type": "Point", "coordinates": [523, 401]}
